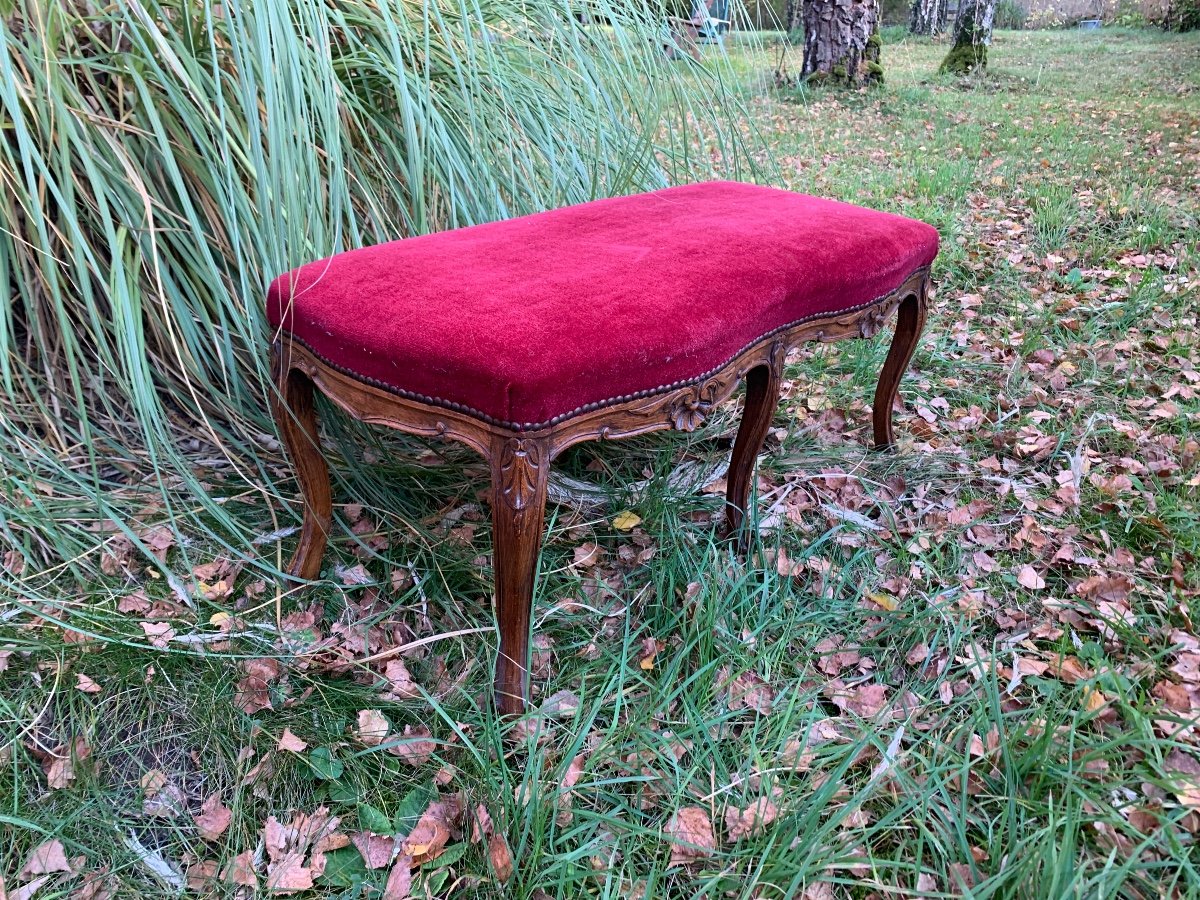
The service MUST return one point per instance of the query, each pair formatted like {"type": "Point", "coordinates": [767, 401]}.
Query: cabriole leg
{"type": "Point", "coordinates": [296, 418]}
{"type": "Point", "coordinates": [519, 472]}
{"type": "Point", "coordinates": [762, 399]}
{"type": "Point", "coordinates": [910, 321]}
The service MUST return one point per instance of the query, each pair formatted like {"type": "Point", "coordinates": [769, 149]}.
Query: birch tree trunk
{"type": "Point", "coordinates": [927, 17]}
{"type": "Point", "coordinates": [841, 41]}
{"type": "Point", "coordinates": [972, 35]}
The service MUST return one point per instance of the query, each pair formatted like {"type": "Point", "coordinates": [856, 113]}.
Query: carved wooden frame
{"type": "Point", "coordinates": [520, 459]}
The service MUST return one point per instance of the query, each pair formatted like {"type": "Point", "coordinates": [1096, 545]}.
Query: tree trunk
{"type": "Point", "coordinates": [794, 21]}
{"type": "Point", "coordinates": [972, 35]}
{"type": "Point", "coordinates": [927, 17]}
{"type": "Point", "coordinates": [841, 41]}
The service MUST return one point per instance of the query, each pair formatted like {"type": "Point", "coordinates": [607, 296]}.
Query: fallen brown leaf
{"type": "Point", "coordinates": [85, 684]}
{"type": "Point", "coordinates": [159, 633]}
{"type": "Point", "coordinates": [276, 837]}
{"type": "Point", "coordinates": [291, 743]}
{"type": "Point", "coordinates": [691, 835]}
{"type": "Point", "coordinates": [372, 728]}
{"type": "Point", "coordinates": [377, 850]}
{"type": "Point", "coordinates": [45, 859]}
{"type": "Point", "coordinates": [60, 764]}
{"type": "Point", "coordinates": [214, 818]}
{"type": "Point", "coordinates": [752, 820]}
{"type": "Point", "coordinates": [400, 683]}
{"type": "Point", "coordinates": [588, 555]}
{"type": "Point", "coordinates": [354, 575]}
{"type": "Point", "coordinates": [136, 603]}
{"type": "Point", "coordinates": [399, 882]}
{"type": "Point", "coordinates": [559, 705]}
{"type": "Point", "coordinates": [414, 751]}
{"type": "Point", "coordinates": [288, 874]}
{"type": "Point", "coordinates": [153, 781]}
{"type": "Point", "coordinates": [253, 690]}
{"type": "Point", "coordinates": [481, 825]}
{"type": "Point", "coordinates": [785, 566]}
{"type": "Point", "coordinates": [1093, 700]}
{"type": "Point", "coordinates": [165, 801]}
{"type": "Point", "coordinates": [650, 649]}
{"type": "Point", "coordinates": [159, 539]}
{"type": "Point", "coordinates": [574, 770]}
{"type": "Point", "coordinates": [1028, 577]}
{"type": "Point", "coordinates": [200, 874]}
{"type": "Point", "coordinates": [97, 885]}
{"type": "Point", "coordinates": [428, 838]}
{"type": "Point", "coordinates": [502, 863]}
{"type": "Point", "coordinates": [1069, 669]}
{"type": "Point", "coordinates": [748, 691]}
{"type": "Point", "coordinates": [240, 870]}
{"type": "Point", "coordinates": [866, 700]}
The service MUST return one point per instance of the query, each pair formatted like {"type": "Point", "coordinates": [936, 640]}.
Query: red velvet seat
{"type": "Point", "coordinates": [527, 321]}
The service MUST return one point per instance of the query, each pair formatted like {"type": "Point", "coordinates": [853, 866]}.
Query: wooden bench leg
{"type": "Point", "coordinates": [519, 474]}
{"type": "Point", "coordinates": [910, 321]}
{"type": "Point", "coordinates": [296, 418]}
{"type": "Point", "coordinates": [762, 399]}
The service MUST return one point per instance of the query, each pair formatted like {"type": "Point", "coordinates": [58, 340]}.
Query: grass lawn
{"type": "Point", "coordinates": [968, 668]}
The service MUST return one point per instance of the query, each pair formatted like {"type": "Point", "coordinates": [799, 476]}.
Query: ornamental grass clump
{"type": "Point", "coordinates": [162, 159]}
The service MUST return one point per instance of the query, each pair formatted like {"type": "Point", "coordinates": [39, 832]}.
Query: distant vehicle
{"type": "Point", "coordinates": [712, 20]}
{"type": "Point", "coordinates": [707, 24]}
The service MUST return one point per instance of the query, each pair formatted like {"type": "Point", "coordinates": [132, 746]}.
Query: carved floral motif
{"type": "Point", "coordinates": [873, 318]}
{"type": "Point", "coordinates": [689, 409]}
{"type": "Point", "coordinates": [777, 354]}
{"type": "Point", "coordinates": [519, 464]}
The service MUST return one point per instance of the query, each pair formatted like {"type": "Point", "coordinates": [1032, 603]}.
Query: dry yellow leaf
{"type": "Point", "coordinates": [153, 781]}
{"type": "Point", "coordinates": [887, 601]}
{"type": "Point", "coordinates": [1093, 700]}
{"type": "Point", "coordinates": [218, 619]}
{"type": "Point", "coordinates": [650, 648]}
{"type": "Point", "coordinates": [626, 520]}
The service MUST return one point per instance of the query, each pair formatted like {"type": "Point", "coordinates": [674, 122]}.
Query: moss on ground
{"type": "Point", "coordinates": [965, 58]}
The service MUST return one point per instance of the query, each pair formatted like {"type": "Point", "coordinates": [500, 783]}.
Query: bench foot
{"type": "Point", "coordinates": [296, 417]}
{"type": "Point", "coordinates": [910, 321]}
{"type": "Point", "coordinates": [762, 399]}
{"type": "Point", "coordinates": [520, 467]}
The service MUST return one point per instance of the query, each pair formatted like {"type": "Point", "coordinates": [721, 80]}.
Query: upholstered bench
{"type": "Point", "coordinates": [606, 320]}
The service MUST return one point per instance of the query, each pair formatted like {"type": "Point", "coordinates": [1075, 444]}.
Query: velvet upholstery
{"type": "Point", "coordinates": [525, 321]}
